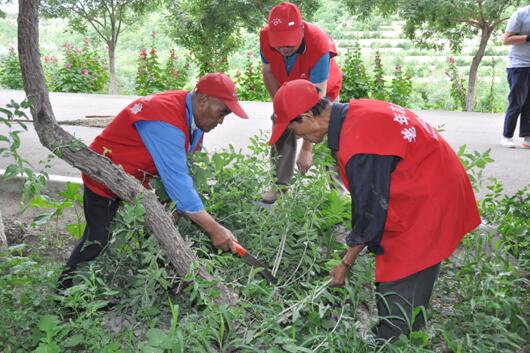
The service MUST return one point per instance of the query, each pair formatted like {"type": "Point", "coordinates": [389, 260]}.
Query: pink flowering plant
{"type": "Point", "coordinates": [152, 78]}
{"type": "Point", "coordinates": [84, 70]}
{"type": "Point", "coordinates": [249, 82]}
{"type": "Point", "coordinates": [149, 74]}
{"type": "Point", "coordinates": [176, 71]}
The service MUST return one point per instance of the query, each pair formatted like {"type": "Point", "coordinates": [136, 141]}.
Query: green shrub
{"type": "Point", "coordinates": [358, 84]}
{"type": "Point", "coordinates": [458, 90]}
{"type": "Point", "coordinates": [10, 74]}
{"type": "Point", "coordinates": [355, 80]}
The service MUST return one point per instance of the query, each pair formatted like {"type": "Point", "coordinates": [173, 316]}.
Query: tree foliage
{"type": "Point", "coordinates": [211, 29]}
{"type": "Point", "coordinates": [429, 23]}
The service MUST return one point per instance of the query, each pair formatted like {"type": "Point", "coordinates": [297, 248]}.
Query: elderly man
{"type": "Point", "coordinates": [152, 136]}
{"type": "Point", "coordinates": [412, 201]}
{"type": "Point", "coordinates": [294, 49]}
{"type": "Point", "coordinates": [518, 34]}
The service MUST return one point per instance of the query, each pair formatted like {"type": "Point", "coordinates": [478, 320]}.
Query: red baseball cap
{"type": "Point", "coordinates": [219, 85]}
{"type": "Point", "coordinates": [285, 25]}
{"type": "Point", "coordinates": [292, 99]}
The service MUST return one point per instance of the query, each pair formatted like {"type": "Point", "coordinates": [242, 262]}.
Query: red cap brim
{"type": "Point", "coordinates": [236, 108]}
{"type": "Point", "coordinates": [277, 130]}
{"type": "Point", "coordinates": [285, 38]}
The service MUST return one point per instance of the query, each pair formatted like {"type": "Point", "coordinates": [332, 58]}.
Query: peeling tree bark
{"type": "Point", "coordinates": [3, 239]}
{"type": "Point", "coordinates": [100, 168]}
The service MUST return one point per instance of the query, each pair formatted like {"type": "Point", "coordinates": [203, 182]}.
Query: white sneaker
{"type": "Point", "coordinates": [507, 142]}
{"type": "Point", "coordinates": [526, 142]}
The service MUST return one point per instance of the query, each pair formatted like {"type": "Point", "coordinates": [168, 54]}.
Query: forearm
{"type": "Point", "coordinates": [515, 39]}
{"type": "Point", "coordinates": [270, 83]}
{"type": "Point", "coordinates": [204, 220]}
{"type": "Point", "coordinates": [307, 146]}
{"type": "Point", "coordinates": [351, 254]}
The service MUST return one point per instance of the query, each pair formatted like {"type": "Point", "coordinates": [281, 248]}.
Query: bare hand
{"type": "Point", "coordinates": [338, 275]}
{"type": "Point", "coordinates": [223, 239]}
{"type": "Point", "coordinates": [304, 161]}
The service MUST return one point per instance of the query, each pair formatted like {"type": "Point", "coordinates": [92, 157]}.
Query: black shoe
{"type": "Point", "coordinates": [65, 279]}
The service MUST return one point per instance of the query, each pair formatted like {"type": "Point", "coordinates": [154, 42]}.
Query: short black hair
{"type": "Point", "coordinates": [317, 109]}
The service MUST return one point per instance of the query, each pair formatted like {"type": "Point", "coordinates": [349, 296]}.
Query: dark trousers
{"type": "Point", "coordinates": [397, 300]}
{"type": "Point", "coordinates": [99, 213]}
{"type": "Point", "coordinates": [518, 102]}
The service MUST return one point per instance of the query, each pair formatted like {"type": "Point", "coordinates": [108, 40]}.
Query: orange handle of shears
{"type": "Point", "coordinates": [241, 251]}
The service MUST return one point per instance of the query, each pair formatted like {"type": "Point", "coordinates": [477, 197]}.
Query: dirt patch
{"type": "Point", "coordinates": [43, 240]}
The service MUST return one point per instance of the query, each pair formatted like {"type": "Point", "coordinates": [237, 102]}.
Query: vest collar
{"type": "Point", "coordinates": [336, 119]}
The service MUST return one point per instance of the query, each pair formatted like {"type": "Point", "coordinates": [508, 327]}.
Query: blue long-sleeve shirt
{"type": "Point", "coordinates": [167, 146]}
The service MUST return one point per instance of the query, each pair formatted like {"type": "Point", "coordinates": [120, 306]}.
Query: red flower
{"type": "Point", "coordinates": [85, 72]}
{"type": "Point", "coordinates": [451, 60]}
{"type": "Point", "coordinates": [68, 66]}
{"type": "Point", "coordinates": [153, 51]}
{"type": "Point", "coordinates": [143, 53]}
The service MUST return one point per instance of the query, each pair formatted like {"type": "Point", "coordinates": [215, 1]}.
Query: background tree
{"type": "Point", "coordinates": [99, 167]}
{"type": "Point", "coordinates": [108, 18]}
{"type": "Point", "coordinates": [211, 29]}
{"type": "Point", "coordinates": [427, 22]}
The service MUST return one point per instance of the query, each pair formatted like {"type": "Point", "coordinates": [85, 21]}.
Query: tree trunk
{"type": "Point", "coordinates": [473, 70]}
{"type": "Point", "coordinates": [3, 239]}
{"type": "Point", "coordinates": [100, 168]}
{"type": "Point", "coordinates": [113, 83]}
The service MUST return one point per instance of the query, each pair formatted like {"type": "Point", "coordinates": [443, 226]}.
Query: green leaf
{"type": "Point", "coordinates": [156, 337]}
{"type": "Point", "coordinates": [48, 348]}
{"type": "Point", "coordinates": [76, 230]}
{"type": "Point", "coordinates": [11, 171]}
{"type": "Point", "coordinates": [49, 324]}
{"type": "Point", "coordinates": [42, 218]}
{"type": "Point", "coordinates": [73, 341]}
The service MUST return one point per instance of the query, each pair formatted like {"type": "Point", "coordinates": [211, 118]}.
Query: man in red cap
{"type": "Point", "coordinates": [152, 136]}
{"type": "Point", "coordinates": [294, 49]}
{"type": "Point", "coordinates": [412, 201]}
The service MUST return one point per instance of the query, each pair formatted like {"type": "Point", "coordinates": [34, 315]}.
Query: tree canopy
{"type": "Point", "coordinates": [429, 22]}
{"type": "Point", "coordinates": [211, 29]}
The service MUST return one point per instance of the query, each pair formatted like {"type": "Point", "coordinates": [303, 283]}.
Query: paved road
{"type": "Point", "coordinates": [477, 130]}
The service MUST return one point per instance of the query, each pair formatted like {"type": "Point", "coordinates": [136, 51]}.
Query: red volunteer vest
{"type": "Point", "coordinates": [122, 144]}
{"type": "Point", "coordinates": [431, 204]}
{"type": "Point", "coordinates": [317, 43]}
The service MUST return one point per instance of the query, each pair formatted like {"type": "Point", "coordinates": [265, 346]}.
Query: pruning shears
{"type": "Point", "coordinates": [252, 261]}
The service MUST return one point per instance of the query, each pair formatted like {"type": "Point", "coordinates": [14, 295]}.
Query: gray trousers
{"type": "Point", "coordinates": [283, 156]}
{"type": "Point", "coordinates": [397, 300]}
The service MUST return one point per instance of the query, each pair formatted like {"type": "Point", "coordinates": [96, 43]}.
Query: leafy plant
{"type": "Point", "coordinates": [355, 81]}
{"type": "Point", "coordinates": [10, 74]}
{"type": "Point", "coordinates": [458, 91]}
